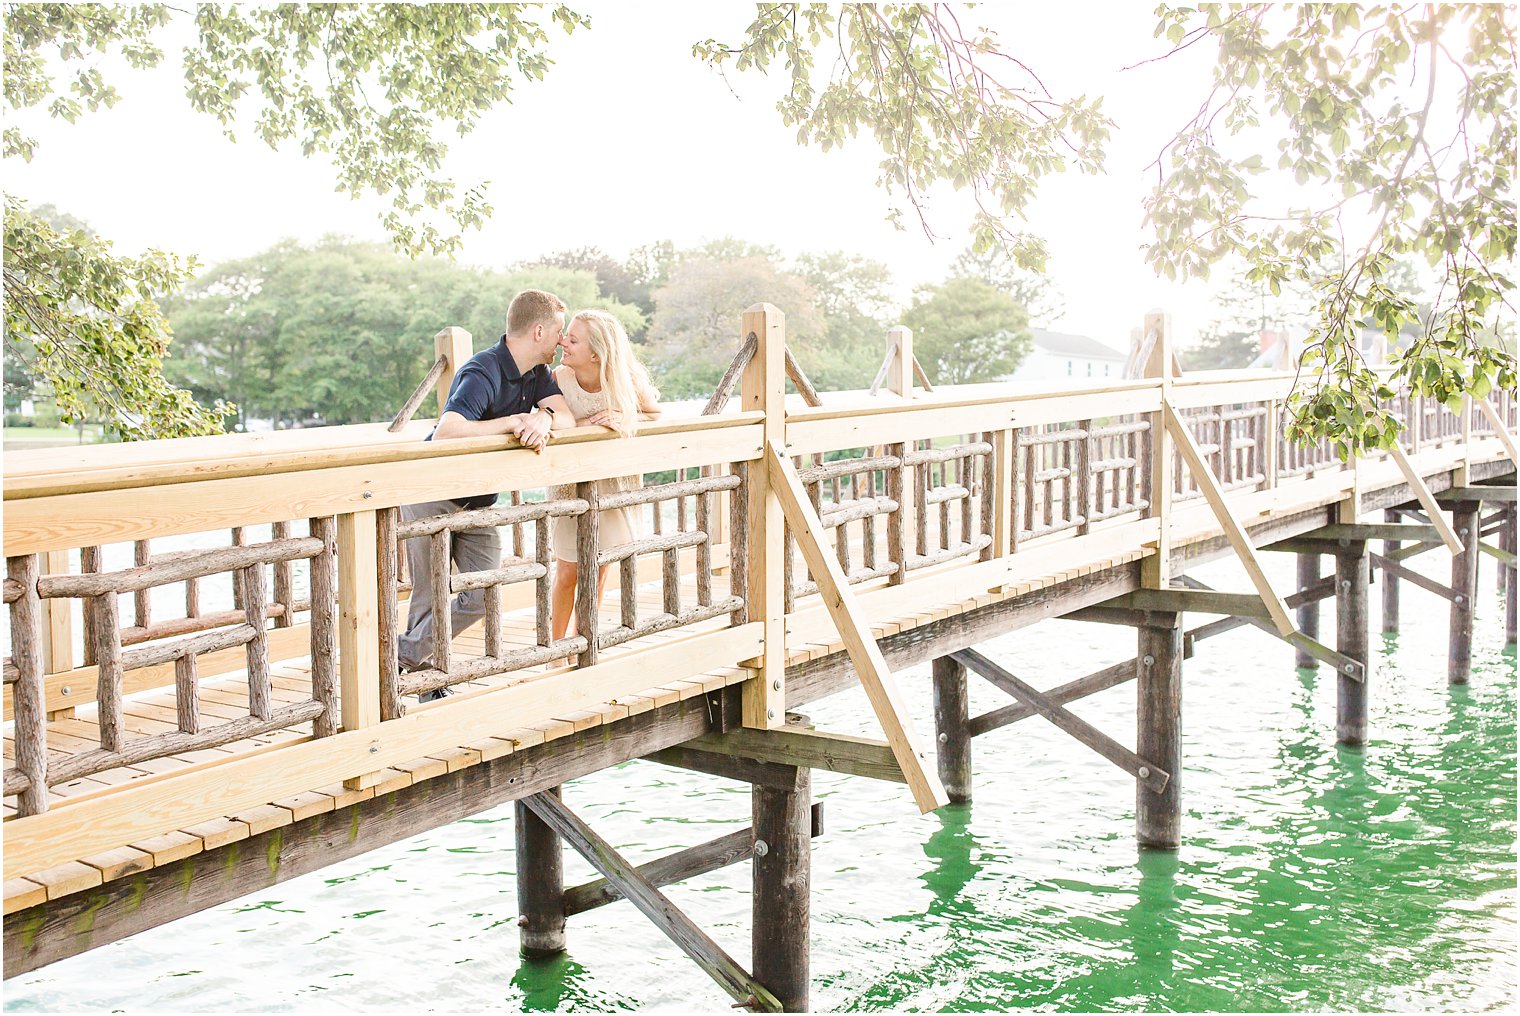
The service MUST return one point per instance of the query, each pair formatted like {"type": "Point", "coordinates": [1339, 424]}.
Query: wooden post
{"type": "Point", "coordinates": [456, 345]}
{"type": "Point", "coordinates": [762, 387]}
{"type": "Point", "coordinates": [1510, 543]}
{"type": "Point", "coordinates": [1156, 571]}
{"type": "Point", "coordinates": [1464, 586]}
{"type": "Point", "coordinates": [953, 735]}
{"type": "Point", "coordinates": [1158, 729]}
{"type": "Point", "coordinates": [1308, 613]}
{"type": "Point", "coordinates": [782, 870]}
{"type": "Point", "coordinates": [29, 692]}
{"type": "Point", "coordinates": [1351, 581]}
{"type": "Point", "coordinates": [358, 629]}
{"type": "Point", "coordinates": [1004, 518]}
{"type": "Point", "coordinates": [900, 362]}
{"type": "Point", "coordinates": [540, 883]}
{"type": "Point", "coordinates": [1390, 580]}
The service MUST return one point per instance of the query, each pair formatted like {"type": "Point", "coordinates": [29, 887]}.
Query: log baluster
{"type": "Point", "coordinates": [738, 544]}
{"type": "Point", "coordinates": [324, 621]}
{"type": "Point", "coordinates": [90, 563]}
{"type": "Point", "coordinates": [108, 681]}
{"type": "Point", "coordinates": [897, 520]}
{"type": "Point", "coordinates": [392, 705]}
{"type": "Point", "coordinates": [443, 624]}
{"type": "Point", "coordinates": [1084, 493]}
{"type": "Point", "coordinates": [284, 581]}
{"type": "Point", "coordinates": [187, 694]}
{"type": "Point", "coordinates": [704, 549]}
{"type": "Point", "coordinates": [29, 692]}
{"type": "Point", "coordinates": [587, 551]}
{"type": "Point", "coordinates": [542, 612]}
{"type": "Point", "coordinates": [142, 599]}
{"type": "Point", "coordinates": [254, 598]}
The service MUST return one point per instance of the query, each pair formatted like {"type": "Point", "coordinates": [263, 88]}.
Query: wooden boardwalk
{"type": "Point", "coordinates": [789, 552]}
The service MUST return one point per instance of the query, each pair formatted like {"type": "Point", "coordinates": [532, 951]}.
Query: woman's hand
{"type": "Point", "coordinates": [603, 418]}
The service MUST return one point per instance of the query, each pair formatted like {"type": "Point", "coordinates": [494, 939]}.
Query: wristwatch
{"type": "Point", "coordinates": [545, 409]}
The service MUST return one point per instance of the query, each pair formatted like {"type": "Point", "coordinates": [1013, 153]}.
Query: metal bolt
{"type": "Point", "coordinates": [373, 748]}
{"type": "Point", "coordinates": [762, 848]}
{"type": "Point", "coordinates": [1349, 668]}
{"type": "Point", "coordinates": [944, 738]}
{"type": "Point", "coordinates": [1145, 772]}
{"type": "Point", "coordinates": [1149, 660]}
{"type": "Point", "coordinates": [1458, 598]}
{"type": "Point", "coordinates": [1463, 530]}
{"type": "Point", "coordinates": [368, 494]}
{"type": "Point", "coordinates": [67, 690]}
{"type": "Point", "coordinates": [770, 714]}
{"type": "Point", "coordinates": [776, 684]}
{"type": "Point", "coordinates": [1345, 583]}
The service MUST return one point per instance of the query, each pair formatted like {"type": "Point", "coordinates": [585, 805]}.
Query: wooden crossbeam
{"type": "Point", "coordinates": [1344, 664]}
{"type": "Point", "coordinates": [1236, 533]}
{"type": "Point", "coordinates": [678, 867]}
{"type": "Point", "coordinates": [1494, 493]}
{"type": "Point", "coordinates": [1321, 590]}
{"type": "Point", "coordinates": [1201, 601]}
{"type": "Point", "coordinates": [1146, 772]}
{"type": "Point", "coordinates": [1394, 568]}
{"type": "Point", "coordinates": [1501, 429]}
{"type": "Point", "coordinates": [1375, 531]}
{"type": "Point", "coordinates": [1498, 553]}
{"type": "Point", "coordinates": [833, 588]}
{"type": "Point", "coordinates": [1071, 691]}
{"type": "Point", "coordinates": [1427, 500]}
{"type": "Point", "coordinates": [653, 904]}
{"type": "Point", "coordinates": [809, 749]}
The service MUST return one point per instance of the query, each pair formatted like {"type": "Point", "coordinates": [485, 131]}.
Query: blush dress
{"type": "Point", "coordinates": [614, 527]}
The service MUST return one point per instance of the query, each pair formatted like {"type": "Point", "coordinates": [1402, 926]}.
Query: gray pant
{"type": "Point", "coordinates": [471, 550]}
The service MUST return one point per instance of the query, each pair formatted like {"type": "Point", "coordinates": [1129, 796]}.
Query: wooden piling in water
{"type": "Point", "coordinates": [1464, 585]}
{"type": "Point", "coordinates": [1351, 581]}
{"type": "Point", "coordinates": [1390, 580]}
{"type": "Point", "coordinates": [1510, 541]}
{"type": "Point", "coordinates": [540, 883]}
{"type": "Point", "coordinates": [951, 727]}
{"type": "Point", "coordinates": [1158, 729]}
{"type": "Point", "coordinates": [782, 877]}
{"type": "Point", "coordinates": [1308, 614]}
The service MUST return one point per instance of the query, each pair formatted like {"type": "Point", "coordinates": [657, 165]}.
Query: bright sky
{"type": "Point", "coordinates": [630, 140]}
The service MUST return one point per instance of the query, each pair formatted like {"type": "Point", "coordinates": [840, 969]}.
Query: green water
{"type": "Point", "coordinates": [1311, 877]}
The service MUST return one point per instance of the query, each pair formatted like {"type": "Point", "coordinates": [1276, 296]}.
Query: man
{"type": "Point", "coordinates": [506, 389]}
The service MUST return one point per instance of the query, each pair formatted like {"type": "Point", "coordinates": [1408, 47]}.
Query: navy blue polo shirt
{"type": "Point", "coordinates": [489, 387]}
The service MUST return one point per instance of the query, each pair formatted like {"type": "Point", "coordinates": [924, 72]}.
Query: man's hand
{"type": "Point", "coordinates": [533, 430]}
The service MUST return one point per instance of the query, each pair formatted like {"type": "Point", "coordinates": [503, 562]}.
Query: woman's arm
{"type": "Point", "coordinates": [649, 403]}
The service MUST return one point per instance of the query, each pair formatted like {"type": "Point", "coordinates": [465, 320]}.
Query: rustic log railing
{"type": "Point", "coordinates": [922, 496]}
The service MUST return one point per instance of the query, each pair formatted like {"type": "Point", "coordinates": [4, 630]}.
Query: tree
{"type": "Point", "coordinates": [1033, 291]}
{"type": "Point", "coordinates": [964, 330]}
{"type": "Point", "coordinates": [853, 301]}
{"type": "Point", "coordinates": [693, 335]}
{"type": "Point", "coordinates": [1398, 131]}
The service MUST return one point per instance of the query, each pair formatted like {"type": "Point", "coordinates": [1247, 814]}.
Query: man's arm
{"type": "Point", "coordinates": [452, 425]}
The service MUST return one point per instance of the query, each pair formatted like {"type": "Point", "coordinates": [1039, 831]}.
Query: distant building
{"type": "Point", "coordinates": [1056, 356]}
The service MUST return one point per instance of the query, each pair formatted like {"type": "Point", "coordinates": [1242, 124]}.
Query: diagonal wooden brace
{"type": "Point", "coordinates": [1340, 661]}
{"type": "Point", "coordinates": [653, 904]}
{"type": "Point", "coordinates": [1427, 499]}
{"type": "Point", "coordinates": [1146, 772]}
{"type": "Point", "coordinates": [834, 589]}
{"type": "Point", "coordinates": [1233, 530]}
{"type": "Point", "coordinates": [1501, 429]}
{"type": "Point", "coordinates": [1408, 575]}
{"type": "Point", "coordinates": [810, 749]}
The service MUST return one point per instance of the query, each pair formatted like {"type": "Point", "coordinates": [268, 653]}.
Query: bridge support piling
{"type": "Point", "coordinates": [782, 876]}
{"type": "Point", "coordinates": [1308, 613]}
{"type": "Point", "coordinates": [540, 883]}
{"type": "Point", "coordinates": [1158, 723]}
{"type": "Point", "coordinates": [1464, 585]}
{"type": "Point", "coordinates": [1390, 580]}
{"type": "Point", "coordinates": [1351, 581]}
{"type": "Point", "coordinates": [1508, 541]}
{"type": "Point", "coordinates": [952, 728]}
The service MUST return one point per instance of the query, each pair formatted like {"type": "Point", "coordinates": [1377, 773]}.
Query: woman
{"type": "Point", "coordinates": [606, 386]}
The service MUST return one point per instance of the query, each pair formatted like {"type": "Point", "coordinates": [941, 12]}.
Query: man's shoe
{"type": "Point", "coordinates": [435, 695]}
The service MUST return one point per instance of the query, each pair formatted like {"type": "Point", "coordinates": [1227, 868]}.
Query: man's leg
{"type": "Point", "coordinates": [473, 550]}
{"type": "Point", "coordinates": [414, 649]}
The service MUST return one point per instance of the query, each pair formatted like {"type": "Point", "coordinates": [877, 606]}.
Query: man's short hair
{"type": "Point", "coordinates": [532, 307]}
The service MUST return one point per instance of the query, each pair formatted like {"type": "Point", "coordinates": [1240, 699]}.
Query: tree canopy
{"type": "Point", "coordinates": [1397, 128]}
{"type": "Point", "coordinates": [965, 330]}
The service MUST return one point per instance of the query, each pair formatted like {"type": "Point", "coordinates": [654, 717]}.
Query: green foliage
{"type": "Point", "coordinates": [1221, 348]}
{"type": "Point", "coordinates": [964, 330]}
{"type": "Point", "coordinates": [944, 105]}
{"type": "Point", "coordinates": [342, 331]}
{"type": "Point", "coordinates": [83, 322]}
{"type": "Point", "coordinates": [373, 87]}
{"type": "Point", "coordinates": [1399, 124]}
{"type": "Point", "coordinates": [852, 298]}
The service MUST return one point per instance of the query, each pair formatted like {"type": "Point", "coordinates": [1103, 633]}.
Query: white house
{"type": "Point", "coordinates": [1055, 356]}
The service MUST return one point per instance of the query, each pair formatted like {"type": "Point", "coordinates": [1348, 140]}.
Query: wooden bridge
{"type": "Point", "coordinates": [186, 724]}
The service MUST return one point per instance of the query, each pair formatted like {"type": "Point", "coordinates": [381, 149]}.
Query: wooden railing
{"type": "Point", "coordinates": [920, 494]}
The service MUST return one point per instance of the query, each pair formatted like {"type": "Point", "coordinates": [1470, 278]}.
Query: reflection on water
{"type": "Point", "coordinates": [1311, 877]}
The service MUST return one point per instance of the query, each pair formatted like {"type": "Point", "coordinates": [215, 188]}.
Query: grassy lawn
{"type": "Point", "coordinates": [44, 437]}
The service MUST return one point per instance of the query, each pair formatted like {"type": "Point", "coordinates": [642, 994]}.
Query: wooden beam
{"type": "Point", "coordinates": [1321, 590]}
{"type": "Point", "coordinates": [1201, 601]}
{"type": "Point", "coordinates": [886, 701]}
{"type": "Point", "coordinates": [1343, 664]}
{"type": "Point", "coordinates": [727, 767]}
{"type": "Point", "coordinates": [1146, 772]}
{"type": "Point", "coordinates": [1408, 575]}
{"type": "Point", "coordinates": [1478, 493]}
{"type": "Point", "coordinates": [1239, 539]}
{"type": "Point", "coordinates": [1501, 429]}
{"type": "Point", "coordinates": [1498, 553]}
{"type": "Point", "coordinates": [653, 904]}
{"type": "Point", "coordinates": [678, 867]}
{"type": "Point", "coordinates": [1376, 531]}
{"type": "Point", "coordinates": [809, 749]}
{"type": "Point", "coordinates": [1071, 691]}
{"type": "Point", "coordinates": [1426, 498]}
{"type": "Point", "coordinates": [763, 388]}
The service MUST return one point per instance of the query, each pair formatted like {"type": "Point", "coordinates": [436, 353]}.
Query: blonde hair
{"type": "Point", "coordinates": [532, 307]}
{"type": "Point", "coordinates": [620, 372]}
